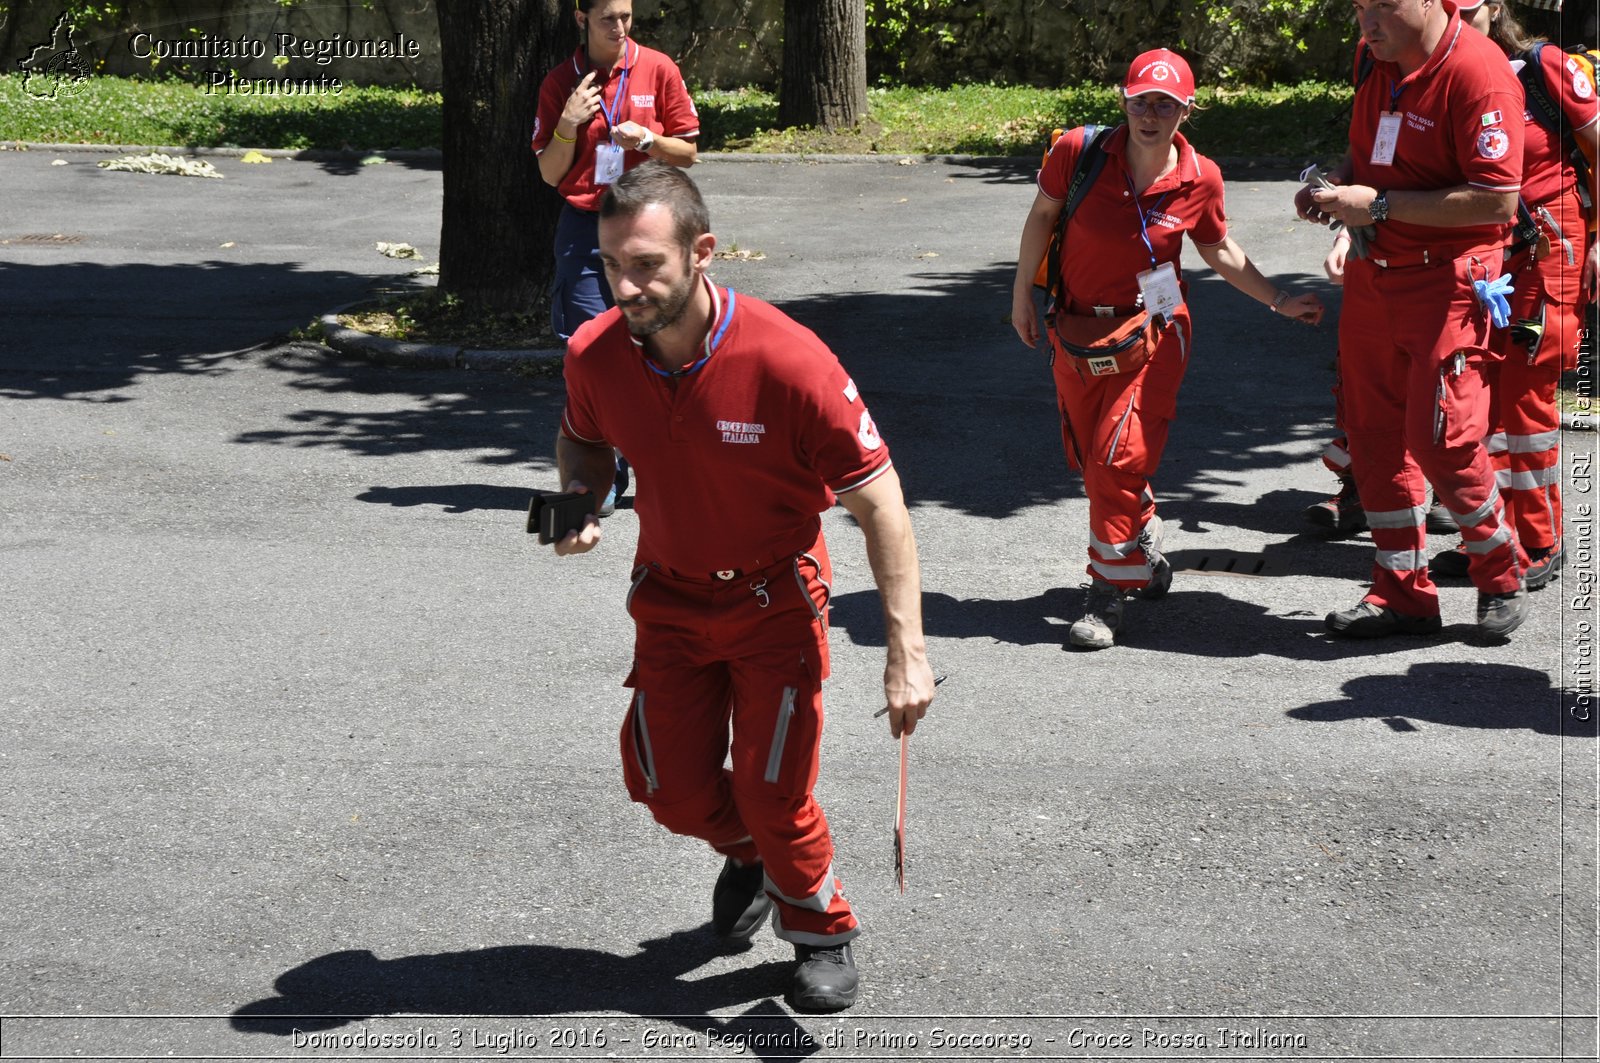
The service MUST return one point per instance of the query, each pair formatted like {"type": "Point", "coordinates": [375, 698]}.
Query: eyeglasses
{"type": "Point", "coordinates": [1138, 107]}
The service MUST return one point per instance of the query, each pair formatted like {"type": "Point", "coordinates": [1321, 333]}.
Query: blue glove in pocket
{"type": "Point", "coordinates": [1492, 294]}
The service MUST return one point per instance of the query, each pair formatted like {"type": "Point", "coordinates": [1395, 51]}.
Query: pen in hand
{"type": "Point", "coordinates": [885, 709]}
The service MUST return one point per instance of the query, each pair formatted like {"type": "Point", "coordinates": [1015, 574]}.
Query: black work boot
{"type": "Point", "coordinates": [1543, 565]}
{"type": "Point", "coordinates": [826, 978]}
{"type": "Point", "coordinates": [1439, 520]}
{"type": "Point", "coordinates": [1369, 620]}
{"type": "Point", "coordinates": [738, 902]}
{"type": "Point", "coordinates": [1342, 514]}
{"type": "Point", "coordinates": [1451, 564]}
{"type": "Point", "coordinates": [1501, 614]}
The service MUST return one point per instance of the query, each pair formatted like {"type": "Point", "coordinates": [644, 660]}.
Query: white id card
{"type": "Point", "coordinates": [607, 163]}
{"type": "Point", "coordinates": [1159, 287]}
{"type": "Point", "coordinates": [1387, 140]}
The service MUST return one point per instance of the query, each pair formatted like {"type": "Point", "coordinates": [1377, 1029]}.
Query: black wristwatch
{"type": "Point", "coordinates": [1379, 208]}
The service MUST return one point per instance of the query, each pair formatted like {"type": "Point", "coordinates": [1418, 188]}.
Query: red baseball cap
{"type": "Point", "coordinates": [1161, 71]}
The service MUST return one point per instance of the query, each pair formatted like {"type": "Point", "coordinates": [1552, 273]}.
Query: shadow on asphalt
{"type": "Point", "coordinates": [452, 498]}
{"type": "Point", "coordinates": [534, 980]}
{"type": "Point", "coordinates": [1459, 694]}
{"type": "Point", "coordinates": [968, 411]}
{"type": "Point", "coordinates": [1190, 621]}
{"type": "Point", "coordinates": [91, 331]}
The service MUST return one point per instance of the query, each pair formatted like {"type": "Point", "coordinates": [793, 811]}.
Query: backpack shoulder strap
{"type": "Point", "coordinates": [1544, 109]}
{"type": "Point", "coordinates": [1365, 61]}
{"type": "Point", "coordinates": [1091, 160]}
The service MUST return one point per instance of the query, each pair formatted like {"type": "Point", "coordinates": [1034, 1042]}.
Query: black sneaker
{"type": "Point", "coordinates": [1150, 539]}
{"type": "Point", "coordinates": [738, 902]}
{"type": "Point", "coordinates": [825, 980]}
{"type": "Point", "coordinates": [1450, 564]}
{"type": "Point", "coordinates": [1369, 620]}
{"type": "Point", "coordinates": [1501, 614]}
{"type": "Point", "coordinates": [1439, 521]}
{"type": "Point", "coordinates": [1102, 617]}
{"type": "Point", "coordinates": [1543, 565]}
{"type": "Point", "coordinates": [1342, 514]}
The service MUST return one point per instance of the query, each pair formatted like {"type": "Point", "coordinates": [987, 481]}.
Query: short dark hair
{"type": "Point", "coordinates": [657, 182]}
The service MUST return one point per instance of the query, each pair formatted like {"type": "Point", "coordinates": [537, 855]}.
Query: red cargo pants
{"type": "Point", "coordinates": [1114, 429]}
{"type": "Point", "coordinates": [1524, 422]}
{"type": "Point", "coordinates": [737, 664]}
{"type": "Point", "coordinates": [1412, 346]}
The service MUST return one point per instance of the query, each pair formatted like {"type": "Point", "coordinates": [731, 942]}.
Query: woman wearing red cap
{"type": "Point", "coordinates": [611, 106]}
{"type": "Point", "coordinates": [1119, 326]}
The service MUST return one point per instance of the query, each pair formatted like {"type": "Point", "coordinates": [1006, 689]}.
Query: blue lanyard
{"type": "Point", "coordinates": [712, 340]}
{"type": "Point", "coordinates": [1144, 232]}
{"type": "Point", "coordinates": [1394, 94]}
{"type": "Point", "coordinates": [622, 89]}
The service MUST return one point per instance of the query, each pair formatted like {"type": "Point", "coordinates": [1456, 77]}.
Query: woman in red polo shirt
{"type": "Point", "coordinates": [1119, 333]}
{"type": "Point", "coordinates": [1551, 272]}
{"type": "Point", "coordinates": [605, 110]}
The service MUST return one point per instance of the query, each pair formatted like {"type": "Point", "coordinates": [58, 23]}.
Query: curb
{"type": "Point", "coordinates": [1260, 163]}
{"type": "Point", "coordinates": [404, 355]}
{"type": "Point", "coordinates": [306, 154]}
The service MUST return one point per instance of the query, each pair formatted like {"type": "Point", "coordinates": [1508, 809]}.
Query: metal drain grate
{"type": "Point", "coordinates": [1221, 563]}
{"type": "Point", "coordinates": [46, 238]}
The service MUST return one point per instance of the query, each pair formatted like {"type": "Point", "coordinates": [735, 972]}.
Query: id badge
{"type": "Point", "coordinates": [607, 163]}
{"type": "Point", "coordinates": [1387, 140]}
{"type": "Point", "coordinates": [1160, 289]}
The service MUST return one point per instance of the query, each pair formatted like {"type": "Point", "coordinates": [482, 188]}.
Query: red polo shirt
{"type": "Point", "coordinates": [1546, 172]}
{"type": "Point", "coordinates": [1460, 125]}
{"type": "Point", "coordinates": [1105, 250]}
{"type": "Point", "coordinates": [736, 458]}
{"type": "Point", "coordinates": [655, 97]}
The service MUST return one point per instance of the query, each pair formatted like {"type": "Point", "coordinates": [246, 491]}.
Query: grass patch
{"type": "Point", "coordinates": [109, 110]}
{"type": "Point", "coordinates": [1295, 121]}
{"type": "Point", "coordinates": [429, 317]}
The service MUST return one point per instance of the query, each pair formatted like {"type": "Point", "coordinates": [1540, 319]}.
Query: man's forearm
{"type": "Point", "coordinates": [892, 554]}
{"type": "Point", "coordinates": [594, 467]}
{"type": "Point", "coordinates": [1451, 208]}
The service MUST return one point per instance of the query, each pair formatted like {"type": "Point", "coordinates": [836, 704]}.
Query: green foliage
{"type": "Point", "coordinates": [896, 29]}
{"type": "Point", "coordinates": [1299, 121]}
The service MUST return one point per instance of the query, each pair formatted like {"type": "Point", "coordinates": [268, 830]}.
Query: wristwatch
{"type": "Point", "coordinates": [646, 142]}
{"type": "Point", "coordinates": [1379, 207]}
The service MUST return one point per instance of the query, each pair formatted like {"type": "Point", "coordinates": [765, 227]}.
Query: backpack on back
{"type": "Point", "coordinates": [1546, 110]}
{"type": "Point", "coordinates": [1091, 160]}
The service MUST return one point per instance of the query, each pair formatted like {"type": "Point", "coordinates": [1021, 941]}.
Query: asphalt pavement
{"type": "Point", "coordinates": [309, 750]}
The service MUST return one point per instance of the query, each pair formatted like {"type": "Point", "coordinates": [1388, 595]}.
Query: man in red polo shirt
{"type": "Point", "coordinates": [1435, 164]}
{"type": "Point", "coordinates": [745, 428]}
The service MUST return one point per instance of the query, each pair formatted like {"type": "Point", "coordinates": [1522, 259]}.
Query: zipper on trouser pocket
{"type": "Point", "coordinates": [638, 577]}
{"type": "Point", "coordinates": [780, 733]}
{"type": "Point", "coordinates": [641, 746]}
{"type": "Point", "coordinates": [1441, 419]}
{"type": "Point", "coordinates": [1116, 438]}
{"type": "Point", "coordinates": [827, 588]}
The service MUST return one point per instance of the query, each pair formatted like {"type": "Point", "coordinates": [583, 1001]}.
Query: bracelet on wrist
{"type": "Point", "coordinates": [556, 133]}
{"type": "Point", "coordinates": [1278, 301]}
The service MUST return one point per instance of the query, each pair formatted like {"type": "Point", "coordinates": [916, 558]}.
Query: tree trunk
{"type": "Point", "coordinates": [824, 63]}
{"type": "Point", "coordinates": [499, 217]}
